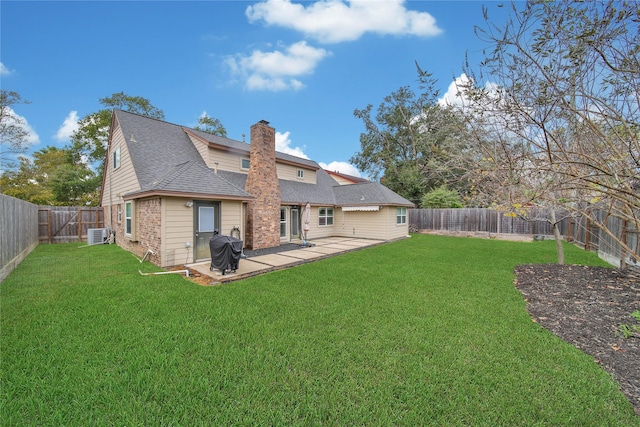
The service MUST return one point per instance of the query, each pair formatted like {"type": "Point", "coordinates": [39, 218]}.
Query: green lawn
{"type": "Point", "coordinates": [425, 331]}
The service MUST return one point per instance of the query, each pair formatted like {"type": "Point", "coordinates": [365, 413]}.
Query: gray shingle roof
{"type": "Point", "coordinates": [165, 160]}
{"type": "Point", "coordinates": [368, 193]}
{"type": "Point", "coordinates": [191, 177]}
{"type": "Point", "coordinates": [155, 147]}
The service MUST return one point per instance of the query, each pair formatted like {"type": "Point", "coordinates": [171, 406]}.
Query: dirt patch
{"type": "Point", "coordinates": [196, 277]}
{"type": "Point", "coordinates": [481, 235]}
{"type": "Point", "coordinates": [585, 306]}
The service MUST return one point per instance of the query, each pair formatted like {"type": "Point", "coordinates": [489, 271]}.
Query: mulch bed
{"type": "Point", "coordinates": [585, 306]}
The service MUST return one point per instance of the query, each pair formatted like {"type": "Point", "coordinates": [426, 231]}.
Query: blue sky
{"type": "Point", "coordinates": [302, 66]}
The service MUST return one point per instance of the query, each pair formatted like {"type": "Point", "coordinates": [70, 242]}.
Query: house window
{"type": "Point", "coordinates": [283, 222]}
{"type": "Point", "coordinates": [128, 218]}
{"type": "Point", "coordinates": [401, 215]}
{"type": "Point", "coordinates": [300, 173]}
{"type": "Point", "coordinates": [244, 164]}
{"type": "Point", "coordinates": [116, 158]}
{"type": "Point", "coordinates": [325, 216]}
{"type": "Point", "coordinates": [119, 214]}
{"type": "Point", "coordinates": [206, 219]}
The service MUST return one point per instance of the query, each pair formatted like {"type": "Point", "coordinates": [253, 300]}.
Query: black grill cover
{"type": "Point", "coordinates": [225, 252]}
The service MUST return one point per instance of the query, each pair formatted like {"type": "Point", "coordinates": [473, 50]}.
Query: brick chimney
{"type": "Point", "coordinates": [263, 213]}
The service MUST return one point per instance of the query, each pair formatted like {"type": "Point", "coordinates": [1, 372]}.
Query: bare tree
{"type": "Point", "coordinates": [554, 110]}
{"type": "Point", "coordinates": [13, 134]}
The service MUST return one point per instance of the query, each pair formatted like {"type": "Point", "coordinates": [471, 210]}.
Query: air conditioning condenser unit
{"type": "Point", "coordinates": [96, 236]}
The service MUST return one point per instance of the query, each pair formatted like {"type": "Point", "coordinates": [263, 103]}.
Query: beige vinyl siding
{"type": "Point", "coordinates": [177, 230]}
{"type": "Point", "coordinates": [122, 180]}
{"type": "Point", "coordinates": [316, 231]}
{"type": "Point", "coordinates": [202, 147]}
{"type": "Point", "coordinates": [290, 173]}
{"type": "Point", "coordinates": [231, 215]}
{"type": "Point", "coordinates": [396, 231]}
{"type": "Point", "coordinates": [340, 180]}
{"type": "Point", "coordinates": [227, 161]}
{"type": "Point", "coordinates": [370, 225]}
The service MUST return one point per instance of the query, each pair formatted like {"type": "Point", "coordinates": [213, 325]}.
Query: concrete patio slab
{"type": "Point", "coordinates": [360, 243]}
{"type": "Point", "coordinates": [260, 264]}
{"type": "Point", "coordinates": [327, 240]}
{"type": "Point", "coordinates": [244, 267]}
{"type": "Point", "coordinates": [326, 250]}
{"type": "Point", "coordinates": [340, 246]}
{"type": "Point", "coordinates": [275, 260]}
{"type": "Point", "coordinates": [303, 254]}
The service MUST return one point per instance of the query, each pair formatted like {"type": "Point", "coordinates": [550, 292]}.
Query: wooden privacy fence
{"type": "Point", "coordinates": [18, 232]}
{"type": "Point", "coordinates": [64, 224]}
{"type": "Point", "coordinates": [582, 230]}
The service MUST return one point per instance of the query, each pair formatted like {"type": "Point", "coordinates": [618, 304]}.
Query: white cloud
{"type": "Point", "coordinates": [335, 21]}
{"type": "Point", "coordinates": [342, 167]}
{"type": "Point", "coordinates": [68, 127]}
{"type": "Point", "coordinates": [276, 70]}
{"type": "Point", "coordinates": [456, 96]}
{"type": "Point", "coordinates": [12, 118]}
{"type": "Point", "coordinates": [283, 145]}
{"type": "Point", "coordinates": [4, 71]}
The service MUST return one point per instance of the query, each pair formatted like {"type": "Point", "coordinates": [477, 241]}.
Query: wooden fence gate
{"type": "Point", "coordinates": [64, 224]}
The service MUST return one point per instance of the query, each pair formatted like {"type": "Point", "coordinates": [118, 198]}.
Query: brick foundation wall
{"type": "Point", "coordinates": [148, 230]}
{"type": "Point", "coordinates": [263, 213]}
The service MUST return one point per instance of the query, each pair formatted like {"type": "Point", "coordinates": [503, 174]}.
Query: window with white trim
{"type": "Point", "coordinates": [301, 173]}
{"type": "Point", "coordinates": [401, 216]}
{"type": "Point", "coordinates": [128, 218]}
{"type": "Point", "coordinates": [244, 164]}
{"type": "Point", "coordinates": [116, 158]}
{"type": "Point", "coordinates": [325, 216]}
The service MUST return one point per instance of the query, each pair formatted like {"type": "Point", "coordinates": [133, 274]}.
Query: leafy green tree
{"type": "Point", "coordinates": [51, 178]}
{"type": "Point", "coordinates": [441, 198]}
{"type": "Point", "coordinates": [211, 125]}
{"type": "Point", "coordinates": [413, 144]}
{"type": "Point", "coordinates": [31, 180]}
{"type": "Point", "coordinates": [13, 135]}
{"type": "Point", "coordinates": [89, 142]}
{"type": "Point", "coordinates": [75, 185]}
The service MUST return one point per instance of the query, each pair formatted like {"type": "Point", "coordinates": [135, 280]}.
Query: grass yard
{"type": "Point", "coordinates": [425, 331]}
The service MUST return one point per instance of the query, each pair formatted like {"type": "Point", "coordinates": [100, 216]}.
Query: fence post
{"type": "Point", "coordinates": [570, 227]}
{"type": "Point", "coordinates": [49, 220]}
{"type": "Point", "coordinates": [79, 225]}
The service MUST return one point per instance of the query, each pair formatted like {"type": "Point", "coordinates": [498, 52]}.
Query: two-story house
{"type": "Point", "coordinates": [166, 188]}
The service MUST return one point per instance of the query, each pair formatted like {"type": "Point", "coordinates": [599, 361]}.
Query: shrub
{"type": "Point", "coordinates": [441, 197]}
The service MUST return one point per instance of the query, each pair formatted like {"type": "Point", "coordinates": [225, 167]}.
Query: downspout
{"type": "Point", "coordinates": [186, 273]}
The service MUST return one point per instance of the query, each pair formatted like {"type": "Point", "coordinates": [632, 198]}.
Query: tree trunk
{"type": "Point", "coordinates": [558, 237]}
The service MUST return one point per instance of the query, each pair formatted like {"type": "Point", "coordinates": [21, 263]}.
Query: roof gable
{"type": "Point", "coordinates": [165, 160]}
{"type": "Point", "coordinates": [155, 146]}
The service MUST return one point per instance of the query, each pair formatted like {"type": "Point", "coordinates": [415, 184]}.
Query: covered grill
{"type": "Point", "coordinates": [225, 253]}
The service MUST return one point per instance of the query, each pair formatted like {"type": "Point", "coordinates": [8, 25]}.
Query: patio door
{"type": "Point", "coordinates": [295, 222]}
{"type": "Point", "coordinates": [206, 220]}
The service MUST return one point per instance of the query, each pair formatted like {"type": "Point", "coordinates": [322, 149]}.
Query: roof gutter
{"type": "Point", "coordinates": [204, 196]}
